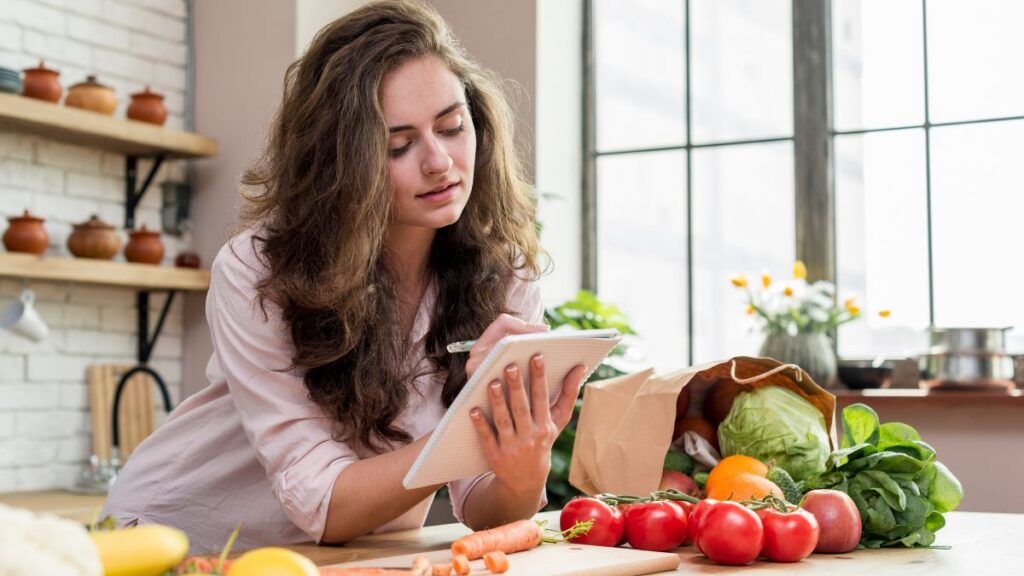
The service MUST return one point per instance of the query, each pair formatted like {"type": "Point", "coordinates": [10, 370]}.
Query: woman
{"type": "Point", "coordinates": [386, 219]}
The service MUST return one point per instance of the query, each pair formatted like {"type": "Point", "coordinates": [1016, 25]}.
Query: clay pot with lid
{"type": "Point", "coordinates": [91, 95]}
{"type": "Point", "coordinates": [144, 247]}
{"type": "Point", "coordinates": [95, 239]}
{"type": "Point", "coordinates": [148, 106]}
{"type": "Point", "coordinates": [42, 83]}
{"type": "Point", "coordinates": [26, 234]}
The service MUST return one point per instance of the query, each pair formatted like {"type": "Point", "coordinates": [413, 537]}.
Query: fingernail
{"type": "Point", "coordinates": [495, 388]}
{"type": "Point", "coordinates": [537, 360]}
{"type": "Point", "coordinates": [511, 370]}
{"type": "Point", "coordinates": [475, 413]}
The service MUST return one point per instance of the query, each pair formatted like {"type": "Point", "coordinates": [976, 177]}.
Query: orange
{"type": "Point", "coordinates": [731, 466]}
{"type": "Point", "coordinates": [744, 486]}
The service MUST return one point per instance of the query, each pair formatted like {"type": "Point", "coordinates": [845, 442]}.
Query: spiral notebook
{"type": "Point", "coordinates": [453, 450]}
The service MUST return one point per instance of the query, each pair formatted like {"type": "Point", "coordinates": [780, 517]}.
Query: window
{"type": "Point", "coordinates": [693, 154]}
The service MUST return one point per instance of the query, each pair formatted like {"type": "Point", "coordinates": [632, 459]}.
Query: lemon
{"type": "Point", "coordinates": [273, 562]}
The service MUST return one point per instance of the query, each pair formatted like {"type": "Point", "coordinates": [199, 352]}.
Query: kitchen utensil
{"type": "Point", "coordinates": [21, 317]}
{"type": "Point", "coordinates": [10, 81]}
{"type": "Point", "coordinates": [144, 247]}
{"type": "Point", "coordinates": [136, 420]}
{"type": "Point", "coordinates": [94, 238]}
{"type": "Point", "coordinates": [187, 260]}
{"type": "Point", "coordinates": [967, 369]}
{"type": "Point", "coordinates": [42, 83]}
{"type": "Point", "coordinates": [148, 106]}
{"type": "Point", "coordinates": [91, 95]}
{"type": "Point", "coordinates": [967, 340]}
{"type": "Point", "coordinates": [25, 233]}
{"type": "Point", "coordinates": [552, 560]}
{"type": "Point", "coordinates": [864, 374]}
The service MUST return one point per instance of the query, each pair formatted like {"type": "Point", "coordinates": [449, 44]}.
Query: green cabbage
{"type": "Point", "coordinates": [773, 423]}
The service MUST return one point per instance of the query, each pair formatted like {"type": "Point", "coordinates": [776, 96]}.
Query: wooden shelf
{"type": "Point", "coordinates": [993, 397]}
{"type": "Point", "coordinates": [102, 272]}
{"type": "Point", "coordinates": [76, 126]}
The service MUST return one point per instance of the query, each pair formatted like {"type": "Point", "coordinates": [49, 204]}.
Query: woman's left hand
{"type": "Point", "coordinates": [518, 447]}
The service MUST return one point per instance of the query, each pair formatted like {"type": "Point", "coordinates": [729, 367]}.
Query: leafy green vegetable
{"type": "Point", "coordinates": [892, 476]}
{"type": "Point", "coordinates": [773, 423]}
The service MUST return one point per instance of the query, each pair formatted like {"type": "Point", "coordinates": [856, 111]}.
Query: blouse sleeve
{"type": "Point", "coordinates": [525, 303]}
{"type": "Point", "coordinates": [290, 433]}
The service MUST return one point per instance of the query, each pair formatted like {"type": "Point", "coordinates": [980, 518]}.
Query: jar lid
{"type": "Point", "coordinates": [91, 82]}
{"type": "Point", "coordinates": [25, 217]}
{"type": "Point", "coordinates": [42, 68]}
{"type": "Point", "coordinates": [147, 93]}
{"type": "Point", "coordinates": [143, 231]}
{"type": "Point", "coordinates": [94, 223]}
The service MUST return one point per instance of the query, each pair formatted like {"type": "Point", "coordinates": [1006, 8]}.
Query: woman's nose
{"type": "Point", "coordinates": [437, 160]}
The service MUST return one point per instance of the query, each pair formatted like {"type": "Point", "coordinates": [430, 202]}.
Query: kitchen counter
{"type": "Point", "coordinates": [78, 507]}
{"type": "Point", "coordinates": [980, 543]}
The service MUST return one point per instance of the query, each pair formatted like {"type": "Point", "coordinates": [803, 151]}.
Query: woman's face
{"type": "Point", "coordinates": [432, 143]}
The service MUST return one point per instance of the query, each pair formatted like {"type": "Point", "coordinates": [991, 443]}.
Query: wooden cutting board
{"type": "Point", "coordinates": [553, 560]}
{"type": "Point", "coordinates": [137, 419]}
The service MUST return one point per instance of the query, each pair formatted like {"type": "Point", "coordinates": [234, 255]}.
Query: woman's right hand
{"type": "Point", "coordinates": [502, 326]}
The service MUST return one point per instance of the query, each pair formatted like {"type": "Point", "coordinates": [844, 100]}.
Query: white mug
{"type": "Point", "coordinates": [21, 317]}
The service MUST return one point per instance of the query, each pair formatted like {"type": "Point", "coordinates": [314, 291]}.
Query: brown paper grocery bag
{"type": "Point", "coordinates": [626, 423]}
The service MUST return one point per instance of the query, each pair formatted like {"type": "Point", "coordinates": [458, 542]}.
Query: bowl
{"type": "Point", "coordinates": [861, 375]}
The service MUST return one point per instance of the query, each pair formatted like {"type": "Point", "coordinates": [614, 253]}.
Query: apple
{"type": "Point", "coordinates": [679, 481]}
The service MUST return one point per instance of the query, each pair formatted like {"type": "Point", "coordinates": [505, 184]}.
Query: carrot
{"type": "Point", "coordinates": [363, 572]}
{"type": "Point", "coordinates": [442, 570]}
{"type": "Point", "coordinates": [461, 565]}
{"type": "Point", "coordinates": [520, 535]}
{"type": "Point", "coordinates": [496, 561]}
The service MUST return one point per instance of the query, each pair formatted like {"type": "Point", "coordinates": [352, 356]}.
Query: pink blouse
{"type": "Point", "coordinates": [251, 447]}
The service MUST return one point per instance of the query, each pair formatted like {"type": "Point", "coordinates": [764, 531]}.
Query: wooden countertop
{"type": "Point", "coordinates": [919, 396]}
{"type": "Point", "coordinates": [78, 507]}
{"type": "Point", "coordinates": [980, 543]}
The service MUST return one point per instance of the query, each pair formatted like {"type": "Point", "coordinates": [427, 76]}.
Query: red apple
{"type": "Point", "coordinates": [838, 518]}
{"type": "Point", "coordinates": [679, 481]}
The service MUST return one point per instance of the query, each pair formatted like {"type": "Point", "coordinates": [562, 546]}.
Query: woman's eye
{"type": "Point", "coordinates": [396, 152]}
{"type": "Point", "coordinates": [454, 131]}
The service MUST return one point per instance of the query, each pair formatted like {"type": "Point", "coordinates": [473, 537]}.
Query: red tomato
{"type": "Point", "coordinates": [731, 534]}
{"type": "Point", "coordinates": [687, 508]}
{"type": "Point", "coordinates": [700, 509]}
{"type": "Point", "coordinates": [788, 536]}
{"type": "Point", "coordinates": [609, 523]}
{"type": "Point", "coordinates": [658, 526]}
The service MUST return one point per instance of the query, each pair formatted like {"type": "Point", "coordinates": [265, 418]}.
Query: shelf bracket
{"type": "Point", "coordinates": [132, 196]}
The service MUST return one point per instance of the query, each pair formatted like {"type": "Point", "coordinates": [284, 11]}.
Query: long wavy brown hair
{"type": "Point", "coordinates": [320, 201]}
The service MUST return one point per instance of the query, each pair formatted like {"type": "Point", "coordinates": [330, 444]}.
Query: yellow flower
{"type": "Point", "coordinates": [850, 303]}
{"type": "Point", "coordinates": [739, 281]}
{"type": "Point", "coordinates": [751, 309]}
{"type": "Point", "coordinates": [884, 313]}
{"type": "Point", "coordinates": [788, 291]}
{"type": "Point", "coordinates": [766, 280]}
{"type": "Point", "coordinates": [799, 270]}
{"type": "Point", "coordinates": [853, 310]}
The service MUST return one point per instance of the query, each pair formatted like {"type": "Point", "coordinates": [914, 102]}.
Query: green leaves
{"type": "Point", "coordinates": [894, 479]}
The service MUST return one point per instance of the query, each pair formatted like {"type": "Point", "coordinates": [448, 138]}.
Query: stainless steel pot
{"type": "Point", "coordinates": [969, 369]}
{"type": "Point", "coordinates": [972, 340]}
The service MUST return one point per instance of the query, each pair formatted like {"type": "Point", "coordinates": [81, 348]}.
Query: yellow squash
{"type": "Point", "coordinates": [147, 550]}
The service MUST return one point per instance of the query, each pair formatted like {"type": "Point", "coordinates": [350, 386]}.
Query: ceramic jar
{"type": "Point", "coordinates": [148, 106]}
{"type": "Point", "coordinates": [144, 247]}
{"type": "Point", "coordinates": [91, 95]}
{"type": "Point", "coordinates": [94, 239]}
{"type": "Point", "coordinates": [187, 260]}
{"type": "Point", "coordinates": [42, 83]}
{"type": "Point", "coordinates": [26, 234]}
{"type": "Point", "coordinates": [811, 351]}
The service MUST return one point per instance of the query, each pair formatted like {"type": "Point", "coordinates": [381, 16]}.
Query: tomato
{"type": "Point", "coordinates": [731, 534]}
{"type": "Point", "coordinates": [659, 526]}
{"type": "Point", "coordinates": [788, 536]}
{"type": "Point", "coordinates": [700, 509]}
{"type": "Point", "coordinates": [609, 522]}
{"type": "Point", "coordinates": [687, 508]}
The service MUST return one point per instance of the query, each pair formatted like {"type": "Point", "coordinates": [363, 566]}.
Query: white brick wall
{"type": "Point", "coordinates": [45, 428]}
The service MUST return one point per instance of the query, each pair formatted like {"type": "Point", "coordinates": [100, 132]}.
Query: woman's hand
{"type": "Point", "coordinates": [518, 447]}
{"type": "Point", "coordinates": [502, 326]}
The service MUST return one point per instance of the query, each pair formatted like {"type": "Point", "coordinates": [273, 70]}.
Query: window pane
{"type": "Point", "coordinates": [639, 60]}
{"type": "Point", "coordinates": [977, 178]}
{"type": "Point", "coordinates": [975, 54]}
{"type": "Point", "coordinates": [877, 63]}
{"type": "Point", "coordinates": [882, 241]}
{"type": "Point", "coordinates": [742, 69]}
{"type": "Point", "coordinates": [743, 222]}
{"type": "Point", "coordinates": [642, 247]}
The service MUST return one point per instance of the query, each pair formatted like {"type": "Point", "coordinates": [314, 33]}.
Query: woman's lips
{"type": "Point", "coordinates": [441, 195]}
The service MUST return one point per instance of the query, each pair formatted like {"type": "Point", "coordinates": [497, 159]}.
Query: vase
{"type": "Point", "coordinates": [812, 352]}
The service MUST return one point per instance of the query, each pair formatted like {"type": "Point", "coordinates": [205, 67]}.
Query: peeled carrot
{"type": "Point", "coordinates": [461, 565]}
{"type": "Point", "coordinates": [520, 535]}
{"type": "Point", "coordinates": [442, 570]}
{"type": "Point", "coordinates": [496, 561]}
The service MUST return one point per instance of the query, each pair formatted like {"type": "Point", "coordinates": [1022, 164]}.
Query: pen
{"type": "Point", "coordinates": [463, 346]}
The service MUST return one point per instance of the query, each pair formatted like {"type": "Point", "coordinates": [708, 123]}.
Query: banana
{"type": "Point", "coordinates": [148, 550]}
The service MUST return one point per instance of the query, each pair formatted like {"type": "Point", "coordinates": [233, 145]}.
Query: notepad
{"type": "Point", "coordinates": [453, 450]}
